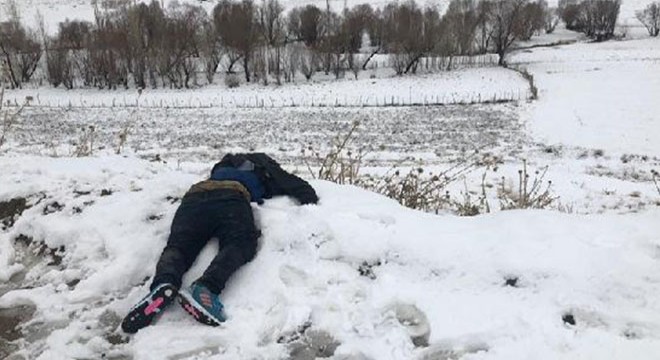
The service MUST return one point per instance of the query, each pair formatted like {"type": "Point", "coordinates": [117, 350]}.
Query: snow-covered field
{"type": "Point", "coordinates": [600, 96]}
{"type": "Point", "coordinates": [385, 89]}
{"type": "Point", "coordinates": [357, 276]}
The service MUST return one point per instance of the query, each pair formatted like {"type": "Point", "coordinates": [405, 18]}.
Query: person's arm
{"type": "Point", "coordinates": [288, 183]}
{"type": "Point", "coordinates": [298, 188]}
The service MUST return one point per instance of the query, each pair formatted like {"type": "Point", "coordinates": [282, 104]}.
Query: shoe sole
{"type": "Point", "coordinates": [197, 311]}
{"type": "Point", "coordinates": [144, 313]}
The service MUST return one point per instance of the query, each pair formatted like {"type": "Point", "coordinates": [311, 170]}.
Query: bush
{"type": "Point", "coordinates": [20, 50]}
{"type": "Point", "coordinates": [59, 68]}
{"type": "Point", "coordinates": [9, 118]}
{"type": "Point", "coordinates": [232, 81]}
{"type": "Point", "coordinates": [341, 164]}
{"type": "Point", "coordinates": [536, 195]}
{"type": "Point", "coordinates": [85, 144]}
{"type": "Point", "coordinates": [595, 18]}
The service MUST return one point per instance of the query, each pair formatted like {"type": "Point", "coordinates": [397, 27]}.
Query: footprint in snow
{"type": "Point", "coordinates": [293, 276]}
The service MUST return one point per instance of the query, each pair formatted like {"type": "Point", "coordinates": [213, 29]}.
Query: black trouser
{"type": "Point", "coordinates": [223, 214]}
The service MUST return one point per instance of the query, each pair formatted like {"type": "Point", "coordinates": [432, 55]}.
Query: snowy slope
{"type": "Point", "coordinates": [356, 268]}
{"type": "Point", "coordinates": [600, 96]}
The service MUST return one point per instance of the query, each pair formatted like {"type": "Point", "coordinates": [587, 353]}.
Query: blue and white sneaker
{"type": "Point", "coordinates": [147, 309]}
{"type": "Point", "coordinates": [203, 305]}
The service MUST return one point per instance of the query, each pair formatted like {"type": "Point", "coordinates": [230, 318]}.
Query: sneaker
{"type": "Point", "coordinates": [145, 311]}
{"type": "Point", "coordinates": [203, 305]}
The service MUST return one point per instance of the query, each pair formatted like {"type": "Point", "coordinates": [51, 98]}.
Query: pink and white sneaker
{"type": "Point", "coordinates": [152, 305]}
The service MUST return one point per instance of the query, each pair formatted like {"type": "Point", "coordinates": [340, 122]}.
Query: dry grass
{"type": "Point", "coordinates": [656, 180]}
{"type": "Point", "coordinates": [85, 144]}
{"type": "Point", "coordinates": [9, 118]}
{"type": "Point", "coordinates": [341, 164]}
{"type": "Point", "coordinates": [534, 195]}
{"type": "Point", "coordinates": [413, 187]}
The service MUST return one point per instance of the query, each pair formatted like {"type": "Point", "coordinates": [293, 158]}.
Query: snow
{"type": "Point", "coordinates": [462, 86]}
{"type": "Point", "coordinates": [358, 274]}
{"type": "Point", "coordinates": [603, 269]}
{"type": "Point", "coordinates": [597, 95]}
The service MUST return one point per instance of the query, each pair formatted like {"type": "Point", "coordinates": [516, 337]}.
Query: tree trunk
{"type": "Point", "coordinates": [412, 63]}
{"type": "Point", "coordinates": [245, 67]}
{"type": "Point", "coordinates": [364, 65]}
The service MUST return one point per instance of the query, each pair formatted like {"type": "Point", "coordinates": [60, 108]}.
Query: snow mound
{"type": "Point", "coordinates": [355, 277]}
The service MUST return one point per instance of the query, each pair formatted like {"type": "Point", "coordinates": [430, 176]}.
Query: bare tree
{"type": "Point", "coordinates": [272, 26]}
{"type": "Point", "coordinates": [506, 25]}
{"type": "Point", "coordinates": [59, 64]}
{"type": "Point", "coordinates": [485, 11]}
{"type": "Point", "coordinates": [551, 20]}
{"type": "Point", "coordinates": [598, 18]}
{"type": "Point", "coordinates": [595, 18]}
{"type": "Point", "coordinates": [210, 50]}
{"type": "Point", "coordinates": [238, 29]}
{"type": "Point", "coordinates": [19, 48]}
{"type": "Point", "coordinates": [410, 31]}
{"type": "Point", "coordinates": [375, 29]}
{"type": "Point", "coordinates": [292, 54]}
{"type": "Point", "coordinates": [107, 52]}
{"type": "Point", "coordinates": [308, 63]}
{"type": "Point", "coordinates": [146, 25]}
{"type": "Point", "coordinates": [181, 44]}
{"type": "Point", "coordinates": [460, 23]}
{"type": "Point", "coordinates": [532, 20]}
{"type": "Point", "coordinates": [306, 25]}
{"type": "Point", "coordinates": [650, 18]}
{"type": "Point", "coordinates": [333, 45]}
{"type": "Point", "coordinates": [569, 11]}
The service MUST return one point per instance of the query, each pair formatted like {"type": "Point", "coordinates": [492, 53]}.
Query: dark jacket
{"type": "Point", "coordinates": [275, 180]}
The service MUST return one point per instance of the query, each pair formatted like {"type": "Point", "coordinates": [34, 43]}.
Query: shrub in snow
{"type": "Point", "coordinates": [85, 144]}
{"type": "Point", "coordinates": [9, 118]}
{"type": "Point", "coordinates": [341, 164]}
{"type": "Point", "coordinates": [528, 195]}
{"type": "Point", "coordinates": [232, 81]}
{"type": "Point", "coordinates": [595, 18]}
{"type": "Point", "coordinates": [415, 188]}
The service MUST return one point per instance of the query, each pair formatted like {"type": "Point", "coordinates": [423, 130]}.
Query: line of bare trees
{"type": "Point", "coordinates": [146, 45]}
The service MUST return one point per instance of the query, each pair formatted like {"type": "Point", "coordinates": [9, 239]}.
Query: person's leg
{"type": "Point", "coordinates": [237, 236]}
{"type": "Point", "coordinates": [189, 233]}
{"type": "Point", "coordinates": [238, 244]}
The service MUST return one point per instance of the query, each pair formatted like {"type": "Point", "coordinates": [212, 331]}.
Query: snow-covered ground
{"type": "Point", "coordinates": [461, 86]}
{"type": "Point", "coordinates": [361, 274]}
{"type": "Point", "coordinates": [357, 276]}
{"type": "Point", "coordinates": [600, 96]}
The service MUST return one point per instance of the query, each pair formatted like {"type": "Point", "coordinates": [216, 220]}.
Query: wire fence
{"type": "Point", "coordinates": [267, 102]}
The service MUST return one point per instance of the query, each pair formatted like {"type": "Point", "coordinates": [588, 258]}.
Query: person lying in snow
{"type": "Point", "coordinates": [215, 208]}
